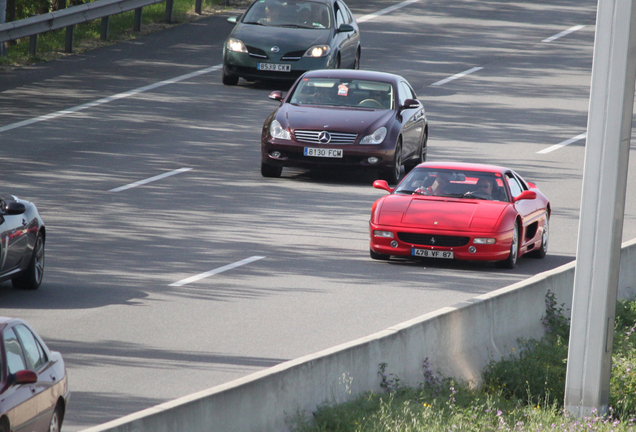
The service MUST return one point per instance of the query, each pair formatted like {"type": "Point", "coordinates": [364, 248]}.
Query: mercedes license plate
{"type": "Point", "coordinates": [425, 253]}
{"type": "Point", "coordinates": [323, 152]}
{"type": "Point", "coordinates": [273, 67]}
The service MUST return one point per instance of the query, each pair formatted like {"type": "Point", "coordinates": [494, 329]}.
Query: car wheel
{"type": "Point", "coordinates": [56, 420]}
{"type": "Point", "coordinates": [270, 170]}
{"type": "Point", "coordinates": [356, 62]}
{"type": "Point", "coordinates": [392, 175]}
{"type": "Point", "coordinates": [421, 156]}
{"type": "Point", "coordinates": [31, 278]}
{"type": "Point", "coordinates": [230, 80]}
{"type": "Point", "coordinates": [511, 261]}
{"type": "Point", "coordinates": [4, 426]}
{"type": "Point", "coordinates": [543, 249]}
{"type": "Point", "coordinates": [378, 256]}
{"type": "Point", "coordinates": [337, 64]}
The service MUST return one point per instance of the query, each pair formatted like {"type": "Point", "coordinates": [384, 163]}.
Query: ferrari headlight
{"type": "Point", "coordinates": [377, 233]}
{"type": "Point", "coordinates": [484, 241]}
{"type": "Point", "coordinates": [235, 45]}
{"type": "Point", "coordinates": [376, 137]}
{"type": "Point", "coordinates": [318, 51]}
{"type": "Point", "coordinates": [277, 131]}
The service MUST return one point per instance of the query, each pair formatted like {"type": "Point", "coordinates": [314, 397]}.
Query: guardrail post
{"type": "Point", "coordinates": [137, 22]}
{"type": "Point", "coordinates": [33, 44]}
{"type": "Point", "coordinates": [68, 45]}
{"type": "Point", "coordinates": [169, 8]}
{"type": "Point", "coordinates": [105, 29]}
{"type": "Point", "coordinates": [198, 7]}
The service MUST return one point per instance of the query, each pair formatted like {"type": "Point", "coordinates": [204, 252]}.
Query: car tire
{"type": "Point", "coordinates": [270, 170]}
{"type": "Point", "coordinates": [55, 425]}
{"type": "Point", "coordinates": [31, 278]}
{"type": "Point", "coordinates": [392, 175]}
{"type": "Point", "coordinates": [230, 80]}
{"type": "Point", "coordinates": [543, 249]}
{"type": "Point", "coordinates": [421, 156]}
{"type": "Point", "coordinates": [337, 63]}
{"type": "Point", "coordinates": [379, 256]}
{"type": "Point", "coordinates": [4, 425]}
{"type": "Point", "coordinates": [356, 61]}
{"type": "Point", "coordinates": [511, 261]}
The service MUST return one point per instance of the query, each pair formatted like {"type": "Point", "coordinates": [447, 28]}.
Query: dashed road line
{"type": "Point", "coordinates": [216, 271]}
{"type": "Point", "coordinates": [108, 99]}
{"type": "Point", "coordinates": [563, 144]}
{"type": "Point", "coordinates": [459, 75]}
{"type": "Point", "coordinates": [149, 180]}
{"type": "Point", "coordinates": [563, 33]}
{"type": "Point", "coordinates": [385, 11]}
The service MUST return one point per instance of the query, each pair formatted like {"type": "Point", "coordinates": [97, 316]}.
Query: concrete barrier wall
{"type": "Point", "coordinates": [459, 341]}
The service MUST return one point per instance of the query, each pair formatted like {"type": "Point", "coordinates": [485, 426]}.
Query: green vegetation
{"type": "Point", "coordinates": [522, 392]}
{"type": "Point", "coordinates": [87, 35]}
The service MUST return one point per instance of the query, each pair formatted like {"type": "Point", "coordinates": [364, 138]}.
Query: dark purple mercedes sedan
{"type": "Point", "coordinates": [346, 118]}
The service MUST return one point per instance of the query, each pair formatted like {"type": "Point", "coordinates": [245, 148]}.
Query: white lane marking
{"type": "Point", "coordinates": [563, 33]}
{"type": "Point", "coordinates": [216, 271]}
{"type": "Point", "coordinates": [459, 75]}
{"type": "Point", "coordinates": [563, 144]}
{"type": "Point", "coordinates": [108, 99]}
{"type": "Point", "coordinates": [151, 179]}
{"type": "Point", "coordinates": [385, 11]}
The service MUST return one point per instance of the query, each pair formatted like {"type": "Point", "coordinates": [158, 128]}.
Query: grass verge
{"type": "Point", "coordinates": [522, 392]}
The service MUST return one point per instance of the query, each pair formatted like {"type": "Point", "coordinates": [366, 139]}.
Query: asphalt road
{"type": "Point", "coordinates": [131, 335]}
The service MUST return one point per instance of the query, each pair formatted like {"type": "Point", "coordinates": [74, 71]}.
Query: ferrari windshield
{"type": "Point", "coordinates": [454, 183]}
{"type": "Point", "coordinates": [289, 13]}
{"type": "Point", "coordinates": [344, 93]}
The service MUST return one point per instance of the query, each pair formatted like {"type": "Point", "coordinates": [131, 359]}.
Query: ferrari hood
{"type": "Point", "coordinates": [442, 214]}
{"type": "Point", "coordinates": [287, 39]}
{"type": "Point", "coordinates": [333, 118]}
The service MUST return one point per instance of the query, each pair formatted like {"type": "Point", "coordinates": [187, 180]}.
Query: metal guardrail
{"type": "Point", "coordinates": [69, 17]}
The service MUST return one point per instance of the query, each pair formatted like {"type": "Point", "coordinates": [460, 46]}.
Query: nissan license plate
{"type": "Point", "coordinates": [323, 152]}
{"type": "Point", "coordinates": [425, 253]}
{"type": "Point", "coordinates": [276, 67]}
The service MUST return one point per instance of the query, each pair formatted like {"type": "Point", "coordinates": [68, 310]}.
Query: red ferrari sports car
{"type": "Point", "coordinates": [460, 211]}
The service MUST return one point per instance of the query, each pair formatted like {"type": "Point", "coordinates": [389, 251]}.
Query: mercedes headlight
{"type": "Point", "coordinates": [236, 45]}
{"type": "Point", "coordinates": [318, 51]}
{"type": "Point", "coordinates": [376, 137]}
{"type": "Point", "coordinates": [277, 131]}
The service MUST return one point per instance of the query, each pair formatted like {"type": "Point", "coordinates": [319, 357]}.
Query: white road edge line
{"type": "Point", "coordinates": [459, 75]}
{"type": "Point", "coordinates": [563, 33]}
{"type": "Point", "coordinates": [216, 271]}
{"type": "Point", "coordinates": [149, 180]}
{"type": "Point", "coordinates": [108, 99]}
{"type": "Point", "coordinates": [563, 144]}
{"type": "Point", "coordinates": [385, 11]}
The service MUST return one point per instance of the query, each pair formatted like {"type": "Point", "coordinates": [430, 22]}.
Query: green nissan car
{"type": "Point", "coordinates": [282, 39]}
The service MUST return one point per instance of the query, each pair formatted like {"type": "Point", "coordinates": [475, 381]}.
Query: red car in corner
{"type": "Point", "coordinates": [33, 385]}
{"type": "Point", "coordinates": [460, 211]}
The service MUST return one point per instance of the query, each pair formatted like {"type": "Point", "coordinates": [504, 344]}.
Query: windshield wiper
{"type": "Point", "coordinates": [252, 22]}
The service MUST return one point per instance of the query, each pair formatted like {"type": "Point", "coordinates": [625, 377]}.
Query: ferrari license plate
{"type": "Point", "coordinates": [276, 67]}
{"type": "Point", "coordinates": [323, 152]}
{"type": "Point", "coordinates": [425, 253]}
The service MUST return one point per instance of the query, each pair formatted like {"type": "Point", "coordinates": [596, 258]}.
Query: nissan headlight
{"type": "Point", "coordinates": [318, 51]}
{"type": "Point", "coordinates": [236, 45]}
{"type": "Point", "coordinates": [376, 137]}
{"type": "Point", "coordinates": [277, 131]}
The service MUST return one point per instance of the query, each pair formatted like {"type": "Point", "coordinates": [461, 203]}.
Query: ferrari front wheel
{"type": "Point", "coordinates": [379, 256]}
{"type": "Point", "coordinates": [511, 261]}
